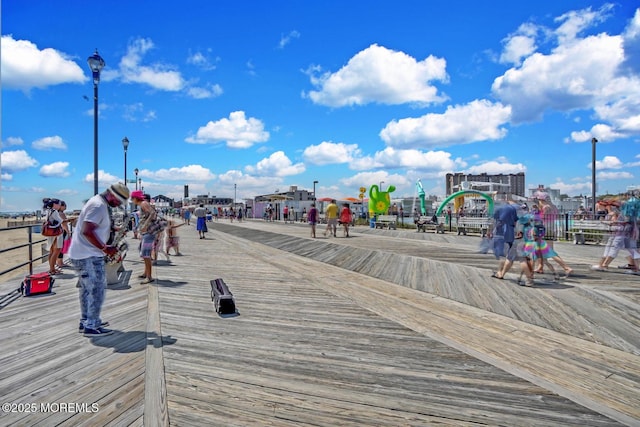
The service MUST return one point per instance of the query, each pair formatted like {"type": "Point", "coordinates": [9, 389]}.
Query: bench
{"type": "Point", "coordinates": [425, 223]}
{"type": "Point", "coordinates": [388, 221]}
{"type": "Point", "coordinates": [588, 229]}
{"type": "Point", "coordinates": [471, 224]}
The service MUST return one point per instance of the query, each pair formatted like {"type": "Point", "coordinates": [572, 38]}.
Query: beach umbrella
{"type": "Point", "coordinates": [351, 199]}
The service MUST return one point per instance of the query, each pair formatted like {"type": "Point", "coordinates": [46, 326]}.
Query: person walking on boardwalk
{"type": "Point", "coordinates": [345, 218]}
{"type": "Point", "coordinates": [172, 238]}
{"type": "Point", "coordinates": [87, 252]}
{"type": "Point", "coordinates": [503, 234]}
{"type": "Point", "coordinates": [147, 239]}
{"type": "Point", "coordinates": [201, 220]}
{"type": "Point", "coordinates": [54, 243]}
{"type": "Point", "coordinates": [312, 217]}
{"type": "Point", "coordinates": [66, 236]}
{"type": "Point", "coordinates": [544, 250]}
{"type": "Point", "coordinates": [525, 249]}
{"type": "Point", "coordinates": [332, 218]}
{"type": "Point", "coordinates": [616, 239]}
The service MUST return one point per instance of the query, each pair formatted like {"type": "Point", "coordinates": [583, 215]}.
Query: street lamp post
{"type": "Point", "coordinates": [136, 172]}
{"type": "Point", "coordinates": [314, 190]}
{"type": "Point", "coordinates": [381, 182]}
{"type": "Point", "coordinates": [96, 63]}
{"type": "Point", "coordinates": [125, 145]}
{"type": "Point", "coordinates": [593, 175]}
{"type": "Point", "coordinates": [234, 195]}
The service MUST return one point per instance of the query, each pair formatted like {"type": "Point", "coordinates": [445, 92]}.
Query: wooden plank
{"type": "Point", "coordinates": [155, 392]}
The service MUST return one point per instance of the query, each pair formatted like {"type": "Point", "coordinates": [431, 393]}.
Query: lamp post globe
{"type": "Point", "coordinates": [96, 64]}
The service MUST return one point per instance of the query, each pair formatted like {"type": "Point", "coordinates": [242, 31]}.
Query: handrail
{"type": "Point", "coordinates": [29, 244]}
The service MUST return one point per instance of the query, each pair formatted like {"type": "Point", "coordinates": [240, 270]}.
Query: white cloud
{"type": "Point", "coordinates": [277, 164]}
{"type": "Point", "coordinates": [602, 132]}
{"type": "Point", "coordinates": [56, 169]}
{"type": "Point", "coordinates": [607, 162]}
{"type": "Point", "coordinates": [205, 92]}
{"type": "Point", "coordinates": [327, 153]}
{"type": "Point", "coordinates": [519, 45]}
{"type": "Point", "coordinates": [286, 39]}
{"type": "Point", "coordinates": [203, 60]}
{"type": "Point", "coordinates": [49, 143]}
{"type": "Point", "coordinates": [572, 77]}
{"type": "Point", "coordinates": [104, 179]}
{"type": "Point", "coordinates": [479, 120]}
{"type": "Point", "coordinates": [381, 75]}
{"type": "Point", "coordinates": [137, 113]}
{"type": "Point", "coordinates": [583, 187]}
{"type": "Point", "coordinates": [188, 173]}
{"type": "Point", "coordinates": [576, 21]}
{"type": "Point", "coordinates": [494, 167]}
{"type": "Point", "coordinates": [25, 67]}
{"type": "Point", "coordinates": [414, 159]}
{"type": "Point", "coordinates": [237, 131]}
{"type": "Point", "coordinates": [613, 175]}
{"type": "Point", "coordinates": [12, 140]}
{"type": "Point", "coordinates": [158, 76]}
{"type": "Point", "coordinates": [578, 73]}
{"type": "Point", "coordinates": [15, 161]}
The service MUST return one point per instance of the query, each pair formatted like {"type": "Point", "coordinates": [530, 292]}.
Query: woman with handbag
{"type": "Point", "coordinates": [54, 243]}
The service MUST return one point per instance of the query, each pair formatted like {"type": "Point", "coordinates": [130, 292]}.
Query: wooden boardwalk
{"type": "Point", "coordinates": [387, 328]}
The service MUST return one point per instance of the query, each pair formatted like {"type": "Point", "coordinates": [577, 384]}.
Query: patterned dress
{"type": "Point", "coordinates": [528, 246]}
{"type": "Point", "coordinates": [543, 249]}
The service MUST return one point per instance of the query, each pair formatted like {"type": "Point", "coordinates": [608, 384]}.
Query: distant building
{"type": "Point", "coordinates": [292, 194]}
{"type": "Point", "coordinates": [206, 200]}
{"type": "Point", "coordinates": [162, 202]}
{"type": "Point", "coordinates": [502, 183]}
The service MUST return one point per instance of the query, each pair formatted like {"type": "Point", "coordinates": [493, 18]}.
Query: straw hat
{"type": "Point", "coordinates": [119, 191]}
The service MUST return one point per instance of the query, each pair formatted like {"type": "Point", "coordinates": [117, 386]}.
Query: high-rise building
{"type": "Point", "coordinates": [502, 183]}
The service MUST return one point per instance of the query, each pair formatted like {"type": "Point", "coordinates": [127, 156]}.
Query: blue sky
{"type": "Point", "coordinates": [263, 95]}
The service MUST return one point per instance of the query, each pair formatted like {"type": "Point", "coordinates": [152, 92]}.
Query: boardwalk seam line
{"type": "Point", "coordinates": [155, 391]}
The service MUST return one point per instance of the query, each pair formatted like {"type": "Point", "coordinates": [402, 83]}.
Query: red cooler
{"type": "Point", "coordinates": [39, 283]}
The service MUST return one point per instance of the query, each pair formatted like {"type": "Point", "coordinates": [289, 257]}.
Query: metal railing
{"type": "Point", "coordinates": [29, 244]}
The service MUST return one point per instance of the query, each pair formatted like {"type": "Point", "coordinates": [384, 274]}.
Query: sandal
{"type": "Point", "coordinates": [147, 280]}
{"type": "Point", "coordinates": [142, 276]}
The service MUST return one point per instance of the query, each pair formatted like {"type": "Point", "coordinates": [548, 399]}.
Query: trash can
{"type": "Point", "coordinates": [372, 222]}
